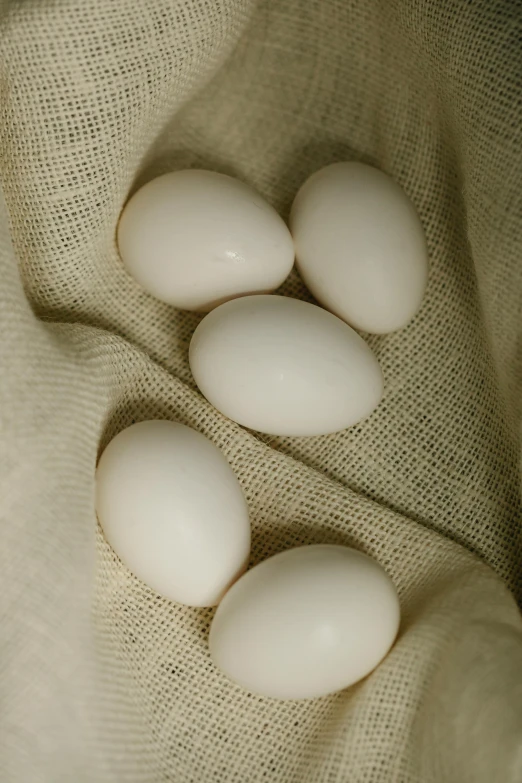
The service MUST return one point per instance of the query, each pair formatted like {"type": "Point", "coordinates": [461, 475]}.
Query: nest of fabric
{"type": "Point", "coordinates": [102, 680]}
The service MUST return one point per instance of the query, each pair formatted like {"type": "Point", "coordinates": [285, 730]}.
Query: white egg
{"type": "Point", "coordinates": [284, 367]}
{"type": "Point", "coordinates": [172, 509]}
{"type": "Point", "coordinates": [305, 623]}
{"type": "Point", "coordinates": [360, 246]}
{"type": "Point", "coordinates": [197, 238]}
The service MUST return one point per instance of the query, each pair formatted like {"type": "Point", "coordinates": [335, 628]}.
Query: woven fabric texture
{"type": "Point", "coordinates": [100, 679]}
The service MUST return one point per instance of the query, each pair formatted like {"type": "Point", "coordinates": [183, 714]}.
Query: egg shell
{"type": "Point", "coordinates": [173, 510]}
{"type": "Point", "coordinates": [360, 246]}
{"type": "Point", "coordinates": [284, 367]}
{"type": "Point", "coordinates": [306, 622]}
{"type": "Point", "coordinates": [197, 238]}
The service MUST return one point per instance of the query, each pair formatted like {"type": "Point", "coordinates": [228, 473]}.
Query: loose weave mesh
{"type": "Point", "coordinates": [103, 681]}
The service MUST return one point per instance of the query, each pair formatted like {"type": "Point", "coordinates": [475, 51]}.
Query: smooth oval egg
{"type": "Point", "coordinates": [360, 246]}
{"type": "Point", "coordinates": [305, 623]}
{"type": "Point", "coordinates": [197, 238]}
{"type": "Point", "coordinates": [172, 509]}
{"type": "Point", "coordinates": [284, 367]}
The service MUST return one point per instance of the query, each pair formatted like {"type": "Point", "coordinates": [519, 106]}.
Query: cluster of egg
{"type": "Point", "coordinates": [315, 619]}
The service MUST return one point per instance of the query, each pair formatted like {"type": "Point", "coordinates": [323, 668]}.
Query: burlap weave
{"type": "Point", "coordinates": [101, 681]}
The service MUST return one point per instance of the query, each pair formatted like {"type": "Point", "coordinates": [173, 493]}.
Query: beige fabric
{"type": "Point", "coordinates": [100, 679]}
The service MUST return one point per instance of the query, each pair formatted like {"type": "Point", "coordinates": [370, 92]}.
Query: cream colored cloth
{"type": "Point", "coordinates": [102, 681]}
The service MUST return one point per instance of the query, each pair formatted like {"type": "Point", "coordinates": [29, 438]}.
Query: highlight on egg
{"type": "Point", "coordinates": [284, 367]}
{"type": "Point", "coordinates": [306, 623]}
{"type": "Point", "coordinates": [173, 510]}
{"type": "Point", "coordinates": [196, 238]}
{"type": "Point", "coordinates": [360, 246]}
